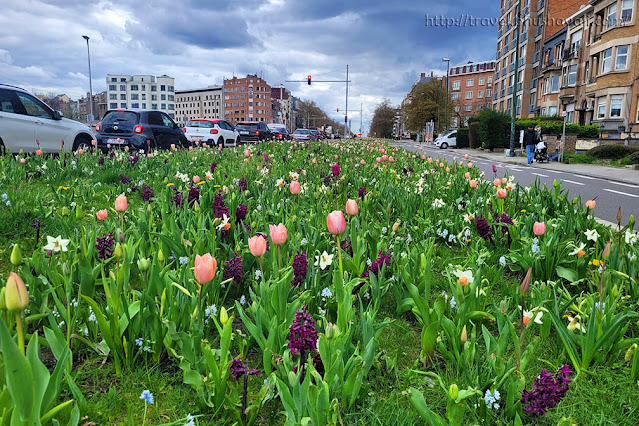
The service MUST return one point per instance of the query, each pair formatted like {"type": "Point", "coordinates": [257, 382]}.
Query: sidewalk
{"type": "Point", "coordinates": [615, 174]}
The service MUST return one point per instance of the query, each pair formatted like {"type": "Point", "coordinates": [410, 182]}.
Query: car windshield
{"type": "Point", "coordinates": [302, 132]}
{"type": "Point", "coordinates": [124, 120]}
{"type": "Point", "coordinates": [200, 123]}
{"type": "Point", "coordinates": [246, 126]}
{"type": "Point", "coordinates": [277, 129]}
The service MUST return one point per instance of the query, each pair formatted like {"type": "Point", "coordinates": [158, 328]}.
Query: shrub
{"type": "Point", "coordinates": [494, 129]}
{"type": "Point", "coordinates": [462, 138]}
{"type": "Point", "coordinates": [632, 158]}
{"type": "Point", "coordinates": [473, 135]}
{"type": "Point", "coordinates": [551, 125]}
{"type": "Point", "coordinates": [612, 152]}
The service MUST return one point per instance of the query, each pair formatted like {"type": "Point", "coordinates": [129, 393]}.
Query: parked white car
{"type": "Point", "coordinates": [213, 132]}
{"type": "Point", "coordinates": [28, 124]}
{"type": "Point", "coordinates": [446, 140]}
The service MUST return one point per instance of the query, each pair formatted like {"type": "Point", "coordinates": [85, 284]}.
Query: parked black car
{"type": "Point", "coordinates": [139, 129]}
{"type": "Point", "coordinates": [253, 131]}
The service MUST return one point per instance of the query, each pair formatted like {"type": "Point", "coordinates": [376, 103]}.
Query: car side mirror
{"type": "Point", "coordinates": [57, 115]}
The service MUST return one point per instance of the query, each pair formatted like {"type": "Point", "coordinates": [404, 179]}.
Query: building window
{"type": "Point", "coordinates": [154, 106]}
{"type": "Point", "coordinates": [135, 97]}
{"type": "Point", "coordinates": [123, 97]}
{"type": "Point", "coordinates": [122, 88]}
{"type": "Point", "coordinates": [114, 80]}
{"type": "Point", "coordinates": [490, 81]}
{"type": "Point", "coordinates": [611, 13]}
{"type": "Point", "coordinates": [162, 88]}
{"type": "Point", "coordinates": [154, 97]}
{"type": "Point", "coordinates": [627, 7]}
{"type": "Point", "coordinates": [112, 87]}
{"type": "Point", "coordinates": [469, 95]}
{"type": "Point", "coordinates": [143, 105]}
{"type": "Point", "coordinates": [134, 87]}
{"type": "Point", "coordinates": [468, 107]}
{"type": "Point", "coordinates": [163, 97]}
{"type": "Point", "coordinates": [154, 88]}
{"type": "Point", "coordinates": [163, 106]}
{"type": "Point", "coordinates": [143, 97]}
{"type": "Point", "coordinates": [572, 75]}
{"type": "Point", "coordinates": [480, 94]}
{"type": "Point", "coordinates": [621, 60]}
{"type": "Point", "coordinates": [489, 92]}
{"type": "Point", "coordinates": [606, 57]}
{"type": "Point", "coordinates": [171, 106]}
{"type": "Point", "coordinates": [123, 105]}
{"type": "Point", "coordinates": [555, 84]}
{"type": "Point", "coordinates": [135, 105]}
{"type": "Point", "coordinates": [144, 87]}
{"type": "Point", "coordinates": [552, 111]}
{"type": "Point", "coordinates": [601, 107]}
{"type": "Point", "coordinates": [113, 96]}
{"type": "Point", "coordinates": [482, 81]}
{"type": "Point", "coordinates": [113, 105]}
{"type": "Point", "coordinates": [470, 82]}
{"type": "Point", "coordinates": [616, 102]}
{"type": "Point", "coordinates": [456, 85]}
{"type": "Point", "coordinates": [454, 96]}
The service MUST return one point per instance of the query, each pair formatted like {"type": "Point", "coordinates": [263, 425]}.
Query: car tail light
{"type": "Point", "coordinates": [214, 131]}
{"type": "Point", "coordinates": [279, 135]}
{"type": "Point", "coordinates": [98, 127]}
{"type": "Point", "coordinates": [138, 129]}
{"type": "Point", "coordinates": [121, 110]}
{"type": "Point", "coordinates": [255, 132]}
{"type": "Point", "coordinates": [184, 130]}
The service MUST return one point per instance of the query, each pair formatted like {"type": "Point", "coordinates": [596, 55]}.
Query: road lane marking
{"type": "Point", "coordinates": [621, 193]}
{"type": "Point", "coordinates": [588, 177]}
{"type": "Point", "coordinates": [573, 182]}
{"type": "Point", "coordinates": [540, 175]}
{"type": "Point", "coordinates": [624, 184]}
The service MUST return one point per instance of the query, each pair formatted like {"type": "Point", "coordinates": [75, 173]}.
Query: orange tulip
{"type": "Point", "coordinates": [196, 179]}
{"type": "Point", "coordinates": [473, 183]}
{"type": "Point", "coordinates": [502, 193]}
{"type": "Point", "coordinates": [591, 204]}
{"type": "Point", "coordinates": [102, 214]}
{"type": "Point", "coordinates": [205, 267]}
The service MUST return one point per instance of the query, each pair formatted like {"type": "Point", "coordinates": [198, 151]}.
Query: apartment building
{"type": "Point", "coordinates": [550, 74]}
{"type": "Point", "coordinates": [471, 89]}
{"type": "Point", "coordinates": [540, 20]}
{"type": "Point", "coordinates": [612, 67]}
{"type": "Point", "coordinates": [247, 99]}
{"type": "Point", "coordinates": [198, 103]}
{"type": "Point", "coordinates": [282, 104]}
{"type": "Point", "coordinates": [142, 92]}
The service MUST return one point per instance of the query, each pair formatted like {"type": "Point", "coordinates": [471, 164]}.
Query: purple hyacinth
{"type": "Point", "coordinates": [194, 194]}
{"type": "Point", "coordinates": [327, 180]}
{"type": "Point", "coordinates": [549, 390]}
{"type": "Point", "coordinates": [177, 198]}
{"type": "Point", "coordinates": [239, 369]}
{"type": "Point", "coordinates": [347, 246]}
{"type": "Point", "coordinates": [242, 184]}
{"type": "Point", "coordinates": [133, 159]}
{"type": "Point", "coordinates": [266, 158]}
{"type": "Point", "coordinates": [336, 169]}
{"type": "Point", "coordinates": [240, 212]}
{"type": "Point", "coordinates": [219, 206]}
{"type": "Point", "coordinates": [233, 269]}
{"type": "Point", "coordinates": [104, 246]}
{"type": "Point", "coordinates": [124, 179]}
{"type": "Point", "coordinates": [302, 336]}
{"type": "Point", "coordinates": [361, 192]}
{"type": "Point", "coordinates": [483, 228]}
{"type": "Point", "coordinates": [213, 167]}
{"type": "Point", "coordinates": [300, 266]}
{"type": "Point", "coordinates": [376, 266]}
{"type": "Point", "coordinates": [147, 193]}
{"type": "Point", "coordinates": [101, 161]}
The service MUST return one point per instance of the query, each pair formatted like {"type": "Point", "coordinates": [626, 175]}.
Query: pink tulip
{"type": "Point", "coordinates": [441, 165]}
{"type": "Point", "coordinates": [196, 179]}
{"type": "Point", "coordinates": [539, 228]}
{"type": "Point", "coordinates": [278, 234]}
{"type": "Point", "coordinates": [102, 214]}
{"type": "Point", "coordinates": [351, 207]}
{"type": "Point", "coordinates": [120, 203]}
{"type": "Point", "coordinates": [466, 156]}
{"type": "Point", "coordinates": [23, 161]}
{"type": "Point", "coordinates": [391, 159]}
{"type": "Point", "coordinates": [39, 152]}
{"type": "Point", "coordinates": [430, 160]}
{"type": "Point", "coordinates": [314, 161]}
{"type": "Point", "coordinates": [247, 153]}
{"type": "Point", "coordinates": [473, 183]}
{"type": "Point", "coordinates": [423, 156]}
{"type": "Point", "coordinates": [336, 156]}
{"type": "Point", "coordinates": [497, 183]}
{"type": "Point", "coordinates": [470, 165]}
{"type": "Point", "coordinates": [461, 163]}
{"type": "Point", "coordinates": [257, 245]}
{"type": "Point", "coordinates": [591, 204]}
{"type": "Point", "coordinates": [467, 175]}
{"type": "Point", "coordinates": [362, 162]}
{"type": "Point", "coordinates": [378, 159]}
{"type": "Point", "coordinates": [205, 267]}
{"type": "Point", "coordinates": [336, 223]}
{"type": "Point", "coordinates": [295, 187]}
{"type": "Point", "coordinates": [502, 193]}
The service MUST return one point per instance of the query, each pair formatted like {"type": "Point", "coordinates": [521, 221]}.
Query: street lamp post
{"type": "Point", "coordinates": [447, 60]}
{"type": "Point", "coordinates": [90, 83]}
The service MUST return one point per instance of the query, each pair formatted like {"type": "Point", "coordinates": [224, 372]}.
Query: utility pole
{"type": "Point", "coordinates": [361, 116]}
{"type": "Point", "coordinates": [447, 60]}
{"type": "Point", "coordinates": [346, 116]}
{"type": "Point", "coordinates": [91, 117]}
{"type": "Point", "coordinates": [513, 117]}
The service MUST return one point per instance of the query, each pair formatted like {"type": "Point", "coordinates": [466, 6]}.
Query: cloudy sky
{"type": "Point", "coordinates": [199, 42]}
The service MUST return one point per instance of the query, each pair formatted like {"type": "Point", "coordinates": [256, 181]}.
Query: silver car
{"type": "Point", "coordinates": [302, 135]}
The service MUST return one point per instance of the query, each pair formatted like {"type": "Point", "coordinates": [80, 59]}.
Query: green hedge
{"type": "Point", "coordinates": [552, 126]}
{"type": "Point", "coordinates": [494, 129]}
{"type": "Point", "coordinates": [632, 158]}
{"type": "Point", "coordinates": [473, 135]}
{"type": "Point", "coordinates": [612, 152]}
{"type": "Point", "coordinates": [462, 138]}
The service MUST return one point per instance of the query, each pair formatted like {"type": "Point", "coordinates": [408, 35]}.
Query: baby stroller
{"type": "Point", "coordinates": [541, 153]}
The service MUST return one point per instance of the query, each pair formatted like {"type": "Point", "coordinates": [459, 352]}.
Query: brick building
{"type": "Point", "coordinates": [198, 103]}
{"type": "Point", "coordinates": [550, 74]}
{"type": "Point", "coordinates": [471, 89]}
{"type": "Point", "coordinates": [247, 99]}
{"type": "Point", "coordinates": [541, 20]}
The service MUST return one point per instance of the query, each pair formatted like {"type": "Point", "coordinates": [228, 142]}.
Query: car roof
{"type": "Point", "coordinates": [8, 86]}
{"type": "Point", "coordinates": [210, 120]}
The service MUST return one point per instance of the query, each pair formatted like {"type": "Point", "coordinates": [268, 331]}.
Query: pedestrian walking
{"type": "Point", "coordinates": [530, 142]}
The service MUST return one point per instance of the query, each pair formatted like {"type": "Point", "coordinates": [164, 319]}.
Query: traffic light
{"type": "Point", "coordinates": [309, 80]}
{"type": "Point", "coordinates": [338, 109]}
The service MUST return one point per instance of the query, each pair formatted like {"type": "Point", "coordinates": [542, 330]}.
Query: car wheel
{"type": "Point", "coordinates": [83, 143]}
{"type": "Point", "coordinates": [3, 149]}
{"type": "Point", "coordinates": [237, 141]}
{"type": "Point", "coordinates": [444, 145]}
{"type": "Point", "coordinates": [220, 142]}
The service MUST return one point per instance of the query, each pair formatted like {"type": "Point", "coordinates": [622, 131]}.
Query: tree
{"type": "Point", "coordinates": [383, 120]}
{"type": "Point", "coordinates": [427, 103]}
{"type": "Point", "coordinates": [309, 114]}
{"type": "Point", "coordinates": [494, 129]}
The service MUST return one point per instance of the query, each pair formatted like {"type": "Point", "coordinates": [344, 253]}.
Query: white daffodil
{"type": "Point", "coordinates": [581, 247]}
{"type": "Point", "coordinates": [224, 224]}
{"type": "Point", "coordinates": [438, 203]}
{"type": "Point", "coordinates": [575, 325]}
{"type": "Point", "coordinates": [280, 183]}
{"type": "Point", "coordinates": [592, 235]}
{"type": "Point", "coordinates": [631, 237]}
{"type": "Point", "coordinates": [56, 244]}
{"type": "Point", "coordinates": [464, 277]}
{"type": "Point", "coordinates": [293, 175]}
{"type": "Point", "coordinates": [324, 260]}
{"type": "Point", "coordinates": [469, 217]}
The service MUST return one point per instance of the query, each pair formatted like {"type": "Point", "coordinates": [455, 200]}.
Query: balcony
{"type": "Point", "coordinates": [569, 54]}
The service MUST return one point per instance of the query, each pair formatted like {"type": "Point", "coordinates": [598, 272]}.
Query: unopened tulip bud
{"type": "Point", "coordinates": [121, 238]}
{"type": "Point", "coordinates": [118, 251]}
{"type": "Point", "coordinates": [453, 391]}
{"type": "Point", "coordinates": [631, 350]}
{"type": "Point", "coordinates": [332, 331]}
{"type": "Point", "coordinates": [143, 264]}
{"type": "Point", "coordinates": [196, 206]}
{"type": "Point", "coordinates": [224, 316]}
{"type": "Point", "coordinates": [3, 305]}
{"type": "Point", "coordinates": [619, 215]}
{"type": "Point", "coordinates": [606, 252]}
{"type": "Point", "coordinates": [503, 306]}
{"type": "Point", "coordinates": [422, 261]}
{"type": "Point", "coordinates": [64, 211]}
{"type": "Point", "coordinates": [631, 222]}
{"type": "Point", "coordinates": [161, 256]}
{"type": "Point", "coordinates": [525, 284]}
{"type": "Point", "coordinates": [16, 296]}
{"type": "Point", "coordinates": [395, 226]}
{"type": "Point", "coordinates": [464, 335]}
{"type": "Point", "coordinates": [16, 255]}
{"type": "Point", "coordinates": [79, 213]}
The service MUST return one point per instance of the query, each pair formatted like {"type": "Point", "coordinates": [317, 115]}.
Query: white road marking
{"type": "Point", "coordinates": [621, 193]}
{"type": "Point", "coordinates": [587, 177]}
{"type": "Point", "coordinates": [573, 182]}
{"type": "Point", "coordinates": [624, 184]}
{"type": "Point", "coordinates": [555, 171]}
{"type": "Point", "coordinates": [540, 175]}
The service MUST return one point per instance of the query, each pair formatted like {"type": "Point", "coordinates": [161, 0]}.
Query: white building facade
{"type": "Point", "coordinates": [141, 92]}
{"type": "Point", "coordinates": [199, 103]}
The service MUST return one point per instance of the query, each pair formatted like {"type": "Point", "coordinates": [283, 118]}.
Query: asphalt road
{"type": "Point", "coordinates": [610, 195]}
